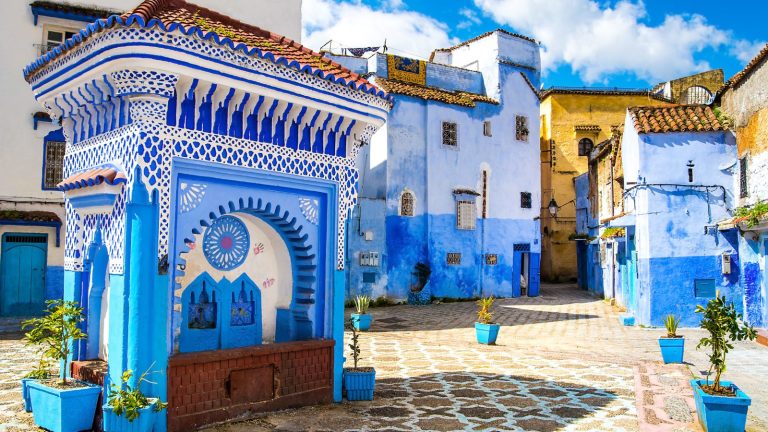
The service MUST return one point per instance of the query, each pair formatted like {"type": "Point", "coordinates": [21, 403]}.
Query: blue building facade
{"type": "Point", "coordinates": [589, 275]}
{"type": "Point", "coordinates": [450, 187]}
{"type": "Point", "coordinates": [209, 183]}
{"type": "Point", "coordinates": [668, 253]}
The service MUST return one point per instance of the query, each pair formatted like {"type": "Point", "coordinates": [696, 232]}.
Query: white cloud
{"type": "Point", "coordinates": [599, 40]}
{"type": "Point", "coordinates": [354, 24]}
{"type": "Point", "coordinates": [746, 50]}
{"type": "Point", "coordinates": [470, 18]}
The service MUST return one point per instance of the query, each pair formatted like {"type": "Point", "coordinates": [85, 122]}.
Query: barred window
{"type": "Point", "coordinates": [369, 259]}
{"type": "Point", "coordinates": [525, 200]}
{"type": "Point", "coordinates": [406, 204]}
{"type": "Point", "coordinates": [743, 181]}
{"type": "Point", "coordinates": [466, 215]}
{"type": "Point", "coordinates": [450, 135]}
{"type": "Point", "coordinates": [491, 259]}
{"type": "Point", "coordinates": [487, 128]}
{"type": "Point", "coordinates": [53, 165]}
{"type": "Point", "coordinates": [453, 258]}
{"type": "Point", "coordinates": [585, 146]}
{"type": "Point", "coordinates": [521, 128]}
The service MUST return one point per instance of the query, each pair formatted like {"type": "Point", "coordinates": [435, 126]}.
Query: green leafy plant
{"type": "Point", "coordinates": [752, 215]}
{"type": "Point", "coordinates": [124, 399]}
{"type": "Point", "coordinates": [41, 371]}
{"type": "Point", "coordinates": [355, 345]}
{"type": "Point", "coordinates": [484, 314]}
{"type": "Point", "coordinates": [56, 330]}
{"type": "Point", "coordinates": [362, 302]}
{"type": "Point", "coordinates": [671, 322]}
{"type": "Point", "coordinates": [724, 325]}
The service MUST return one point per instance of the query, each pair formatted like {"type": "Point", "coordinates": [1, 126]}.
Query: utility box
{"type": "Point", "coordinates": [726, 261]}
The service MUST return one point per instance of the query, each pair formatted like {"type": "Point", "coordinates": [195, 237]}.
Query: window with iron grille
{"type": "Point", "coordinates": [521, 128]}
{"type": "Point", "coordinates": [466, 215]}
{"type": "Point", "coordinates": [453, 258]}
{"type": "Point", "coordinates": [450, 134]}
{"type": "Point", "coordinates": [53, 164]}
{"type": "Point", "coordinates": [743, 182]}
{"type": "Point", "coordinates": [369, 259]}
{"type": "Point", "coordinates": [491, 259]}
{"type": "Point", "coordinates": [484, 213]}
{"type": "Point", "coordinates": [406, 204]}
{"type": "Point", "coordinates": [585, 146]}
{"type": "Point", "coordinates": [487, 128]}
{"type": "Point", "coordinates": [525, 200]}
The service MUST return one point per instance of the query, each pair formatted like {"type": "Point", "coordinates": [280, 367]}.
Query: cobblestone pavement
{"type": "Point", "coordinates": [563, 363]}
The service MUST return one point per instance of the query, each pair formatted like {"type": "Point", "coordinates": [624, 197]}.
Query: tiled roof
{"type": "Point", "coordinates": [476, 38]}
{"type": "Point", "coordinates": [82, 11]}
{"type": "Point", "coordinates": [602, 91]}
{"type": "Point", "coordinates": [170, 15]}
{"type": "Point", "coordinates": [29, 216]}
{"type": "Point", "coordinates": [587, 128]}
{"type": "Point", "coordinates": [433, 93]}
{"type": "Point", "coordinates": [677, 118]}
{"type": "Point", "coordinates": [94, 177]}
{"type": "Point", "coordinates": [461, 191]}
{"type": "Point", "coordinates": [751, 66]}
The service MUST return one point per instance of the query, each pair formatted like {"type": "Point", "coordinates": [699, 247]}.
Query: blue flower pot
{"type": "Point", "coordinates": [25, 393]}
{"type": "Point", "coordinates": [362, 322]}
{"type": "Point", "coordinates": [145, 422]}
{"type": "Point", "coordinates": [721, 413]}
{"type": "Point", "coordinates": [359, 385]}
{"type": "Point", "coordinates": [64, 410]}
{"type": "Point", "coordinates": [487, 333]}
{"type": "Point", "coordinates": [672, 349]}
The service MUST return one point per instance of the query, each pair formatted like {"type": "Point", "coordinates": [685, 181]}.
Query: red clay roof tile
{"type": "Point", "coordinates": [676, 118]}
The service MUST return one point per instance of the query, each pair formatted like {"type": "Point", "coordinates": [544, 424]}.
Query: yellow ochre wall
{"type": "Point", "coordinates": [560, 114]}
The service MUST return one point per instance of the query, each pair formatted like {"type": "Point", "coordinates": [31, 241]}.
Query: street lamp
{"type": "Point", "coordinates": [553, 207]}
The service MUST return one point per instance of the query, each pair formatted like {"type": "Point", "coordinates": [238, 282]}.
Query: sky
{"type": "Point", "coordinates": [608, 43]}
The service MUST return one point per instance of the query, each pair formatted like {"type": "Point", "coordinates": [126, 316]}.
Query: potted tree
{"type": "Point", "coordinates": [672, 346]}
{"type": "Point", "coordinates": [128, 409]}
{"type": "Point", "coordinates": [361, 320]}
{"type": "Point", "coordinates": [359, 382]}
{"type": "Point", "coordinates": [60, 405]}
{"type": "Point", "coordinates": [721, 405]}
{"type": "Point", "coordinates": [40, 372]}
{"type": "Point", "coordinates": [485, 329]}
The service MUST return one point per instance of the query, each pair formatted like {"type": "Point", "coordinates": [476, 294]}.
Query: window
{"type": "Point", "coordinates": [369, 259]}
{"type": "Point", "coordinates": [743, 184]}
{"type": "Point", "coordinates": [450, 136]}
{"type": "Point", "coordinates": [465, 215]}
{"type": "Point", "coordinates": [406, 204]}
{"type": "Point", "coordinates": [453, 258]}
{"type": "Point", "coordinates": [695, 95]}
{"type": "Point", "coordinates": [487, 128]}
{"type": "Point", "coordinates": [53, 164]}
{"type": "Point", "coordinates": [585, 146]}
{"type": "Point", "coordinates": [521, 128]}
{"type": "Point", "coordinates": [525, 200]}
{"type": "Point", "coordinates": [55, 36]}
{"type": "Point", "coordinates": [491, 259]}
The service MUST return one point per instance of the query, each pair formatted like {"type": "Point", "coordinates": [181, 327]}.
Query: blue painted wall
{"type": "Point", "coordinates": [753, 279]}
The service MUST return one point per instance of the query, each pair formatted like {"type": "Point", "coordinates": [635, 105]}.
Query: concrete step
{"type": "Point", "coordinates": [11, 324]}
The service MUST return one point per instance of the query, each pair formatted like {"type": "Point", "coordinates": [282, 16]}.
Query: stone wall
{"type": "Point", "coordinates": [711, 80]}
{"type": "Point", "coordinates": [214, 386]}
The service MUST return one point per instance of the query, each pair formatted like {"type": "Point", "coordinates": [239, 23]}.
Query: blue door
{"type": "Point", "coordinates": [22, 274]}
{"type": "Point", "coordinates": [535, 279]}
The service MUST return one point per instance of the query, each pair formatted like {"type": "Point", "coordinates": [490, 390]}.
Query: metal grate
{"type": "Point", "coordinates": [523, 247]}
{"type": "Point", "coordinates": [521, 128]}
{"type": "Point", "coordinates": [453, 258]}
{"type": "Point", "coordinates": [450, 136]}
{"type": "Point", "coordinates": [743, 183]}
{"type": "Point", "coordinates": [525, 200]}
{"type": "Point", "coordinates": [406, 204]}
{"type": "Point", "coordinates": [491, 259]}
{"type": "Point", "coordinates": [54, 164]}
{"type": "Point", "coordinates": [466, 215]}
{"type": "Point", "coordinates": [585, 146]}
{"type": "Point", "coordinates": [25, 238]}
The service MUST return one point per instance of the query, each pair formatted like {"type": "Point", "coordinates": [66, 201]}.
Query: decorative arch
{"type": "Point", "coordinates": [406, 203]}
{"type": "Point", "coordinates": [695, 95]}
{"type": "Point", "coordinates": [303, 263]}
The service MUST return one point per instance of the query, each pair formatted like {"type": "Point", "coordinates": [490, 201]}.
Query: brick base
{"type": "Point", "coordinates": [214, 386]}
{"type": "Point", "coordinates": [94, 372]}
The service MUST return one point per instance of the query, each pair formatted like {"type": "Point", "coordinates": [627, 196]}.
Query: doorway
{"type": "Point", "coordinates": [22, 274]}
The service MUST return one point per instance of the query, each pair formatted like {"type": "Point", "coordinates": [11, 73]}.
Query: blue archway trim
{"type": "Point", "coordinates": [116, 20]}
{"type": "Point", "coordinates": [303, 263]}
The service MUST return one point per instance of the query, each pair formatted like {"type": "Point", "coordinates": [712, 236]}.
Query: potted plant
{"type": "Point", "coordinates": [359, 382]}
{"type": "Point", "coordinates": [128, 409]}
{"type": "Point", "coordinates": [721, 406]}
{"type": "Point", "coordinates": [672, 346]}
{"type": "Point", "coordinates": [361, 320]}
{"type": "Point", "coordinates": [41, 372]}
{"type": "Point", "coordinates": [60, 405]}
{"type": "Point", "coordinates": [485, 329]}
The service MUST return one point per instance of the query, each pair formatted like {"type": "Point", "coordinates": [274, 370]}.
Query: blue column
{"type": "Point", "coordinates": [337, 329]}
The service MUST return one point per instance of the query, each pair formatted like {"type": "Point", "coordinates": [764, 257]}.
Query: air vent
{"type": "Point", "coordinates": [22, 238]}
